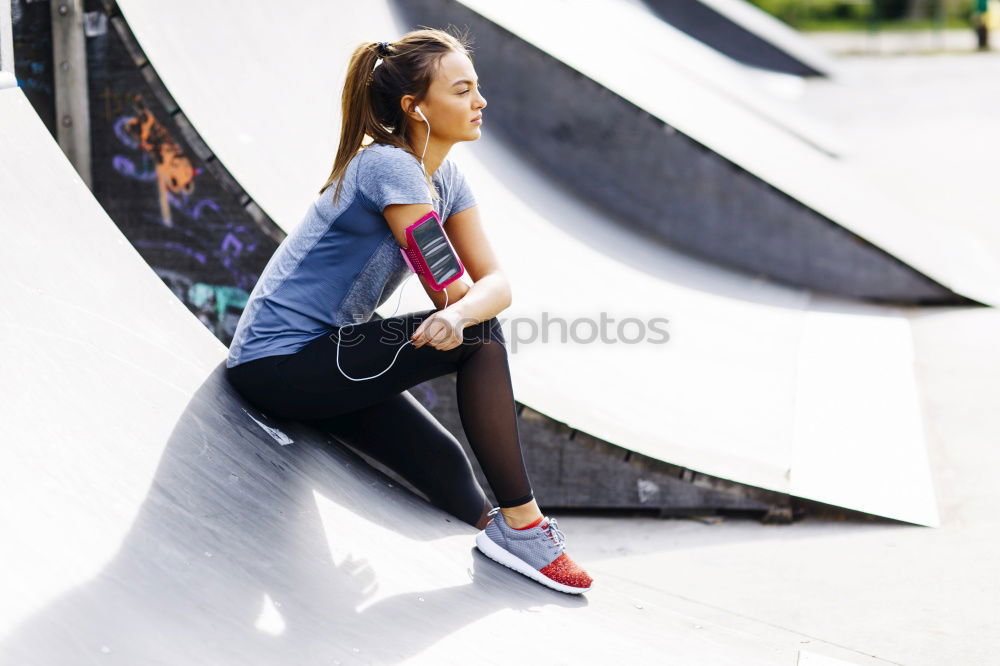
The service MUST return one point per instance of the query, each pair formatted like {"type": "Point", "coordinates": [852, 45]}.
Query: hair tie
{"type": "Point", "coordinates": [383, 49]}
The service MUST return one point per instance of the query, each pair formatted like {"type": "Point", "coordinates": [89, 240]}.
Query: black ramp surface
{"type": "Point", "coordinates": [722, 33]}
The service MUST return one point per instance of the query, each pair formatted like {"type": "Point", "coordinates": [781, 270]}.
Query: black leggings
{"type": "Point", "coordinates": [381, 418]}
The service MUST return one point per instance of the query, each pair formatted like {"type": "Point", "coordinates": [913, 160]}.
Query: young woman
{"type": "Point", "coordinates": [306, 347]}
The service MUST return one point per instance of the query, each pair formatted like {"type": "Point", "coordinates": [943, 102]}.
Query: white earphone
{"type": "Point", "coordinates": [417, 109]}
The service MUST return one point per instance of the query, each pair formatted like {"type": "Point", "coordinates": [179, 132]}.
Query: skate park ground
{"type": "Point", "coordinates": [823, 590]}
{"type": "Point", "coordinates": [923, 127]}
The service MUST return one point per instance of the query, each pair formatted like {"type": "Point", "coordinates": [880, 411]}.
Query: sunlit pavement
{"type": "Point", "coordinates": [926, 129]}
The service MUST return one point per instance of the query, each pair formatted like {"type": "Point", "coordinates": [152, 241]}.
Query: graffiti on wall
{"type": "Point", "coordinates": [173, 170]}
{"type": "Point", "coordinates": [193, 232]}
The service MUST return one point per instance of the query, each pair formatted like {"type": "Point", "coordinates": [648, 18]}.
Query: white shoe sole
{"type": "Point", "coordinates": [490, 549]}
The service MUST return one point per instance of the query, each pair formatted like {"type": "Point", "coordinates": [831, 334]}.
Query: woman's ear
{"type": "Point", "coordinates": [407, 102]}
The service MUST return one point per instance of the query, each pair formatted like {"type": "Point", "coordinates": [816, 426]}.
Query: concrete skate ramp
{"type": "Point", "coordinates": [658, 45]}
{"type": "Point", "coordinates": [588, 91]}
{"type": "Point", "coordinates": [6, 47]}
{"type": "Point", "coordinates": [767, 386]}
{"type": "Point", "coordinates": [746, 33]}
{"type": "Point", "coordinates": [150, 515]}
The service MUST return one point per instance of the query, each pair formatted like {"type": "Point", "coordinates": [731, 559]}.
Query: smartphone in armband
{"type": "Point", "coordinates": [430, 253]}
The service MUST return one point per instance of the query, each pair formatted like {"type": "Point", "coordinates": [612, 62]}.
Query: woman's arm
{"type": "Point", "coordinates": [399, 217]}
{"type": "Point", "coordinates": [490, 292]}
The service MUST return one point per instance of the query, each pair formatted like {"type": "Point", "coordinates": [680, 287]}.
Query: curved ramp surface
{"type": "Point", "coordinates": [151, 516]}
{"type": "Point", "coordinates": [6, 46]}
{"type": "Point", "coordinates": [767, 386]}
{"type": "Point", "coordinates": [681, 160]}
{"type": "Point", "coordinates": [746, 33]}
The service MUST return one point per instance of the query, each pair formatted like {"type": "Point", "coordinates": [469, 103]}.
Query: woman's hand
{"type": "Point", "coordinates": [442, 330]}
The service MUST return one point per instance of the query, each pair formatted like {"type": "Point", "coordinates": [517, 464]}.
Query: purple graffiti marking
{"type": "Point", "coordinates": [123, 135]}
{"type": "Point", "coordinates": [126, 167]}
{"type": "Point", "coordinates": [204, 203]}
{"type": "Point", "coordinates": [231, 241]}
{"type": "Point", "coordinates": [183, 205]}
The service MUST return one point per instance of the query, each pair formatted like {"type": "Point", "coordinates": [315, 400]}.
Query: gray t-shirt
{"type": "Point", "coordinates": [342, 261]}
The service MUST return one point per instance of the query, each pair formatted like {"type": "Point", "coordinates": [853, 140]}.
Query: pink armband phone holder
{"type": "Point", "coordinates": [430, 253]}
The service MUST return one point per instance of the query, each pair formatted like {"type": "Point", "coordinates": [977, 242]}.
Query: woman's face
{"type": "Point", "coordinates": [453, 101]}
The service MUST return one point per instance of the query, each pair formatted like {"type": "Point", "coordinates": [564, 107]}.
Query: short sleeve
{"type": "Point", "coordinates": [390, 175]}
{"type": "Point", "coordinates": [462, 196]}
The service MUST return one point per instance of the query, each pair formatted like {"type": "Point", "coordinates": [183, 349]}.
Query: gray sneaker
{"type": "Point", "coordinates": [539, 552]}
